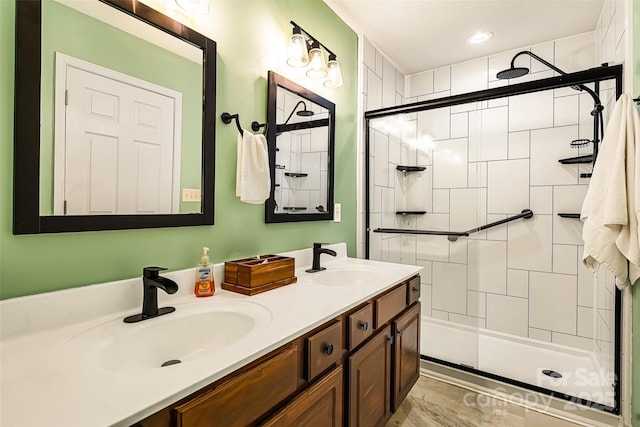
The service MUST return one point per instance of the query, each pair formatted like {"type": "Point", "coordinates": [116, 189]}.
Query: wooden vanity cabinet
{"type": "Point", "coordinates": [406, 354]}
{"type": "Point", "coordinates": [354, 369]}
{"type": "Point", "coordinates": [369, 373]}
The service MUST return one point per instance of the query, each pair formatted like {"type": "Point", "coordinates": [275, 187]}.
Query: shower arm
{"type": "Point", "coordinates": [293, 111]}
{"type": "Point", "coordinates": [595, 97]}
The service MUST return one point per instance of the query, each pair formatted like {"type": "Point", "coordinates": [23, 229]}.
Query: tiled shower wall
{"type": "Point", "coordinates": [486, 161]}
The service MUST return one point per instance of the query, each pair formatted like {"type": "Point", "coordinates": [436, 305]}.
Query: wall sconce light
{"type": "Point", "coordinates": [308, 51]}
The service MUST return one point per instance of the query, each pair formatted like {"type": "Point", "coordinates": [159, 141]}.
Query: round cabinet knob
{"type": "Point", "coordinates": [364, 325]}
{"type": "Point", "coordinates": [329, 349]}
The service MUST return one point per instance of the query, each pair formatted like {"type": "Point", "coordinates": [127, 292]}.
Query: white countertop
{"type": "Point", "coordinates": [44, 383]}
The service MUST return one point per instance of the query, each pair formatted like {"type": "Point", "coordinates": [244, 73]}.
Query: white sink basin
{"type": "Point", "coordinates": [194, 330]}
{"type": "Point", "coordinates": [345, 276]}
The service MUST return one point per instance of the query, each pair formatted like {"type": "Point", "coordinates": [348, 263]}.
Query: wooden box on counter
{"type": "Point", "coordinates": [250, 276]}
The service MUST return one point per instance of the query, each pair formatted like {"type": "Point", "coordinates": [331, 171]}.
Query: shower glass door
{"type": "Point", "coordinates": [504, 292]}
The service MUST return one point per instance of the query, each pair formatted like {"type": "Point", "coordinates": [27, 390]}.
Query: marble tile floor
{"type": "Point", "coordinates": [433, 403]}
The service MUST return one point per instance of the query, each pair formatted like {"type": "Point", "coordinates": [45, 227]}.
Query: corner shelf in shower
{"type": "Point", "coordinates": [569, 215]}
{"type": "Point", "coordinates": [587, 158]}
{"type": "Point", "coordinates": [407, 169]}
{"type": "Point", "coordinates": [294, 208]}
{"type": "Point", "coordinates": [410, 212]}
{"type": "Point", "coordinates": [296, 174]}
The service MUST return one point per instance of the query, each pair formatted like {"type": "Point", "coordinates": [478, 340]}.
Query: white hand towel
{"type": "Point", "coordinates": [253, 179]}
{"type": "Point", "coordinates": [611, 208]}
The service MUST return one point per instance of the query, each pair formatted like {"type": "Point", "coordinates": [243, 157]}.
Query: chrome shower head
{"type": "Point", "coordinates": [512, 73]}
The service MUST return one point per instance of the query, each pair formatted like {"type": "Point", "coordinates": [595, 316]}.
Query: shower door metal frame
{"type": "Point", "coordinates": [592, 75]}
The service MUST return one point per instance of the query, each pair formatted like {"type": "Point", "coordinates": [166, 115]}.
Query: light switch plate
{"type": "Point", "coordinates": [190, 194]}
{"type": "Point", "coordinates": [337, 212]}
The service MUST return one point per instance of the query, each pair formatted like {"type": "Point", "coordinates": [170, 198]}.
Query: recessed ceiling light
{"type": "Point", "coordinates": [479, 37]}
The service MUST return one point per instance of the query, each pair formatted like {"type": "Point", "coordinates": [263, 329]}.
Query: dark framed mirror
{"type": "Point", "coordinates": [300, 135]}
{"type": "Point", "coordinates": [79, 170]}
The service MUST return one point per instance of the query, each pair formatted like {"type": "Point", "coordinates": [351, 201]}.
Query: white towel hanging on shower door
{"type": "Point", "coordinates": [611, 208]}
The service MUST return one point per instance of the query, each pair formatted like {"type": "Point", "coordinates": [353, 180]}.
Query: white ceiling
{"type": "Point", "coordinates": [419, 35]}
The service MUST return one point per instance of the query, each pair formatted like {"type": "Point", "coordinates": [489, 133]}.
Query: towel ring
{"type": "Point", "coordinates": [227, 118]}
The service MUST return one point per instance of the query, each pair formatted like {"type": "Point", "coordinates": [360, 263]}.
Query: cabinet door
{"type": "Point", "coordinates": [318, 406]}
{"type": "Point", "coordinates": [370, 382]}
{"type": "Point", "coordinates": [406, 348]}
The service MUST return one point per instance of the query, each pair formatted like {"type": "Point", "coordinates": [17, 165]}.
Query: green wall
{"type": "Point", "coordinates": [40, 263]}
{"type": "Point", "coordinates": [635, 392]}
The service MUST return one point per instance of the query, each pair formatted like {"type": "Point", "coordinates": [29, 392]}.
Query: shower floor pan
{"type": "Point", "coordinates": [554, 367]}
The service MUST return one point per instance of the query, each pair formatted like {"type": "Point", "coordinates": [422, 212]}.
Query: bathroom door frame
{"type": "Point", "coordinates": [592, 75]}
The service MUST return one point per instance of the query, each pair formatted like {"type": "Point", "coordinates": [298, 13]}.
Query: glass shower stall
{"type": "Point", "coordinates": [484, 190]}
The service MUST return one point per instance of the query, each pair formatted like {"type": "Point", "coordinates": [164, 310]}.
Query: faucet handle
{"type": "Point", "coordinates": [152, 272]}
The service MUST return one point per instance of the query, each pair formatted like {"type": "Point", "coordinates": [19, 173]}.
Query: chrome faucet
{"type": "Point", "coordinates": [151, 281]}
{"type": "Point", "coordinates": [317, 251]}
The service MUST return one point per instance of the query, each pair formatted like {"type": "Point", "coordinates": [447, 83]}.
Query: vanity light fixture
{"type": "Point", "coordinates": [200, 7]}
{"type": "Point", "coordinates": [306, 51]}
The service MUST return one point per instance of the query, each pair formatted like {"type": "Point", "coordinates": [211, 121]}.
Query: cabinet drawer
{"type": "Point", "coordinates": [413, 290]}
{"type": "Point", "coordinates": [246, 397]}
{"type": "Point", "coordinates": [321, 405]}
{"type": "Point", "coordinates": [360, 326]}
{"type": "Point", "coordinates": [324, 349]}
{"type": "Point", "coordinates": [390, 304]}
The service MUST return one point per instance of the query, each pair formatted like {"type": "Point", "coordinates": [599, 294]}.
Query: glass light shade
{"type": "Point", "coordinates": [334, 76]}
{"type": "Point", "coordinates": [298, 55]}
{"type": "Point", "coordinates": [194, 6]}
{"type": "Point", "coordinates": [316, 62]}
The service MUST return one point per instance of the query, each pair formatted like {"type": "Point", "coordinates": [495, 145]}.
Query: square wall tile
{"type": "Point", "coordinates": [529, 243]}
{"type": "Point", "coordinates": [567, 231]}
{"type": "Point", "coordinates": [449, 290]}
{"type": "Point", "coordinates": [565, 259]}
{"type": "Point", "coordinates": [552, 302]}
{"type": "Point", "coordinates": [442, 79]}
{"type": "Point", "coordinates": [519, 145]}
{"type": "Point", "coordinates": [565, 110]}
{"type": "Point", "coordinates": [540, 334]}
{"type": "Point", "coordinates": [569, 198]}
{"type": "Point", "coordinates": [476, 303]}
{"type": "Point", "coordinates": [488, 134]}
{"type": "Point", "coordinates": [507, 314]}
{"type": "Point", "coordinates": [498, 232]}
{"type": "Point", "coordinates": [420, 83]}
{"type": "Point", "coordinates": [541, 199]}
{"type": "Point", "coordinates": [508, 190]}
{"type": "Point", "coordinates": [450, 164]}
{"type": "Point", "coordinates": [441, 201]}
{"type": "Point", "coordinates": [545, 51]}
{"type": "Point", "coordinates": [374, 91]}
{"type": "Point", "coordinates": [575, 53]}
{"type": "Point", "coordinates": [460, 125]}
{"type": "Point", "coordinates": [433, 248]}
{"type": "Point", "coordinates": [487, 271]}
{"type": "Point", "coordinates": [458, 251]}
{"type": "Point", "coordinates": [585, 321]}
{"type": "Point", "coordinates": [469, 76]}
{"type": "Point", "coordinates": [388, 84]}
{"type": "Point", "coordinates": [531, 111]}
{"type": "Point", "coordinates": [547, 147]}
{"type": "Point", "coordinates": [468, 208]}
{"type": "Point", "coordinates": [434, 123]}
{"type": "Point", "coordinates": [477, 175]}
{"type": "Point", "coordinates": [518, 283]}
